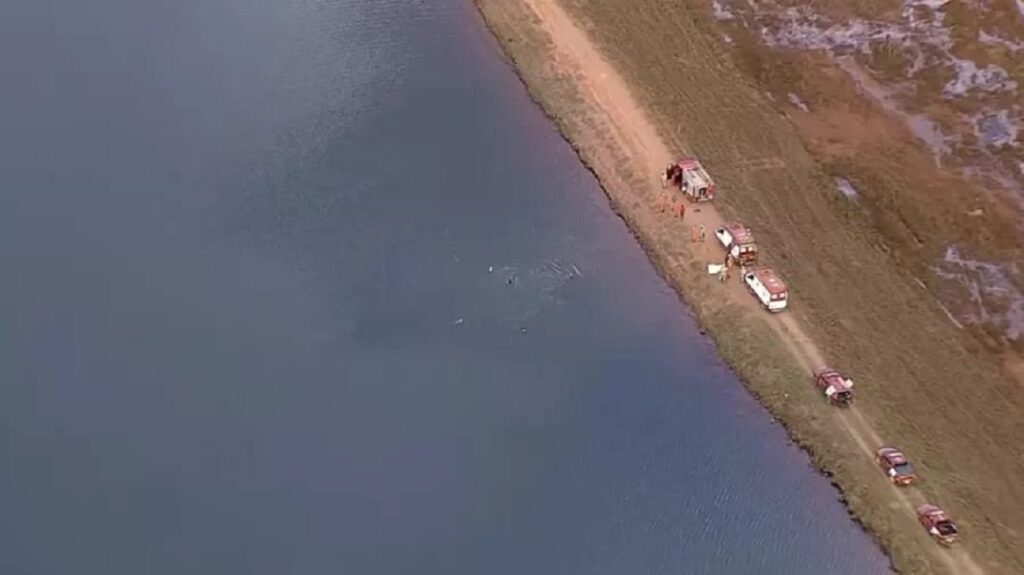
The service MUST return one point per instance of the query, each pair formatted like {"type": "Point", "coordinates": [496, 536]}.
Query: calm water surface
{"type": "Point", "coordinates": [310, 286]}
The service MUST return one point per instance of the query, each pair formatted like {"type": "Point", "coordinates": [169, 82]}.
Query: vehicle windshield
{"type": "Point", "coordinates": [904, 469]}
{"type": "Point", "coordinates": [946, 528]}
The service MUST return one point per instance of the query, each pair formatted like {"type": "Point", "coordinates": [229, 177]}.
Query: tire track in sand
{"type": "Point", "coordinates": [637, 137]}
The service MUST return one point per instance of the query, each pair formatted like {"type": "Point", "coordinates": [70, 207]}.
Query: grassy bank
{"type": "Point", "coordinates": [879, 113]}
{"type": "Point", "coordinates": [920, 382]}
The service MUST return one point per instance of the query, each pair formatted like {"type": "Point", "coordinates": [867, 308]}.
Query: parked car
{"type": "Point", "coordinates": [896, 466]}
{"type": "Point", "coordinates": [767, 288]}
{"type": "Point", "coordinates": [738, 242]}
{"type": "Point", "coordinates": [837, 388]}
{"type": "Point", "coordinates": [939, 526]}
{"type": "Point", "coordinates": [690, 177]}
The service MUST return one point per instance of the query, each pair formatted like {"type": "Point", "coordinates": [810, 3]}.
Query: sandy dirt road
{"type": "Point", "coordinates": [640, 143]}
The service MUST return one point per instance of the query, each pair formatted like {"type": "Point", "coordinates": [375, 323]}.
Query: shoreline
{"type": "Point", "coordinates": [690, 306]}
{"type": "Point", "coordinates": [772, 355]}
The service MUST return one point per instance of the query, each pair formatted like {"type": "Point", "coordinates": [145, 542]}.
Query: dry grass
{"type": "Point", "coordinates": [926, 386]}
{"type": "Point", "coordinates": [918, 209]}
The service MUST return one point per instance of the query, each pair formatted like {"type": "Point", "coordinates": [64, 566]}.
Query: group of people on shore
{"type": "Point", "coordinates": [698, 232]}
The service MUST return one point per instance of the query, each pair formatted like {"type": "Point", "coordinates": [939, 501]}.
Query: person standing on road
{"type": "Point", "coordinates": [672, 175]}
{"type": "Point", "coordinates": [703, 233]}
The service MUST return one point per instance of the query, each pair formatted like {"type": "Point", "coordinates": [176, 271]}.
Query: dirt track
{"type": "Point", "coordinates": [595, 108]}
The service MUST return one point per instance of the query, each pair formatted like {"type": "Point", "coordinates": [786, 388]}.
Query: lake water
{"type": "Point", "coordinates": [311, 286]}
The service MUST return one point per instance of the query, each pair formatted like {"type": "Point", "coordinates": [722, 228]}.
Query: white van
{"type": "Point", "coordinates": [767, 288]}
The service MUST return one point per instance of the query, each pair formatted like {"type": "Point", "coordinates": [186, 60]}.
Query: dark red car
{"type": "Point", "coordinates": [939, 526]}
{"type": "Point", "coordinates": [895, 465]}
{"type": "Point", "coordinates": [837, 388]}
